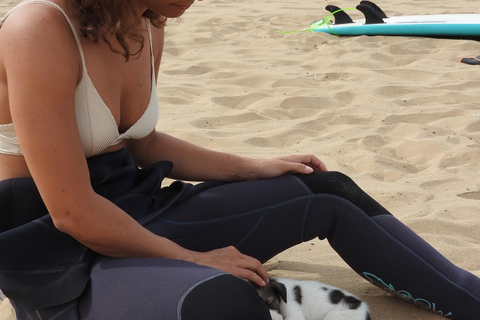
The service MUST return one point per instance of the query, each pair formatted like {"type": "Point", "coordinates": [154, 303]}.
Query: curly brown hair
{"type": "Point", "coordinates": [101, 17]}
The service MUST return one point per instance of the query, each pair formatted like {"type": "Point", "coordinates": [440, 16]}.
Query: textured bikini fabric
{"type": "Point", "coordinates": [96, 124]}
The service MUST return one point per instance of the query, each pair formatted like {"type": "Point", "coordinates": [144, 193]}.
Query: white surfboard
{"type": "Point", "coordinates": [377, 23]}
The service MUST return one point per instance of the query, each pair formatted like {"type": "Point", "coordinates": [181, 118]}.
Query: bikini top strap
{"type": "Point", "coordinates": [54, 5]}
{"type": "Point", "coordinates": [149, 29]}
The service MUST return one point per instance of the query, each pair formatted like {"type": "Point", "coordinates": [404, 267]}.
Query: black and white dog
{"type": "Point", "coordinates": [311, 300]}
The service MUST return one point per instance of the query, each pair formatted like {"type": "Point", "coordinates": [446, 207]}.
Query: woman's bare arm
{"type": "Point", "coordinates": [42, 70]}
{"type": "Point", "coordinates": [192, 162]}
{"type": "Point", "coordinates": [42, 65]}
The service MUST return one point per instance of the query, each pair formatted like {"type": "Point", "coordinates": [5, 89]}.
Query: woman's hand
{"type": "Point", "coordinates": [301, 164]}
{"type": "Point", "coordinates": [230, 260]}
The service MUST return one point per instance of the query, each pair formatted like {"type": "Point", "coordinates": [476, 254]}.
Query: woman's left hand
{"type": "Point", "coordinates": [293, 164]}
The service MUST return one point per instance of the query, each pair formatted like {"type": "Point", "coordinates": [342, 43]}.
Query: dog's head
{"type": "Point", "coordinates": [273, 294]}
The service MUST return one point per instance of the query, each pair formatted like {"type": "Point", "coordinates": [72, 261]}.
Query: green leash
{"type": "Point", "coordinates": [317, 24]}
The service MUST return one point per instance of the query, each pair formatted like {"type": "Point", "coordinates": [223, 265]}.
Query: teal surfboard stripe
{"type": "Point", "coordinates": [449, 25]}
{"type": "Point", "coordinates": [433, 29]}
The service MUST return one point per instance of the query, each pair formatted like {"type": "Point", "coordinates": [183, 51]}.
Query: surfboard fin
{"type": "Point", "coordinates": [371, 15]}
{"type": "Point", "coordinates": [341, 17]}
{"type": "Point", "coordinates": [375, 8]}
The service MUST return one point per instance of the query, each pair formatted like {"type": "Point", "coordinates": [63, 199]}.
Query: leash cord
{"type": "Point", "coordinates": [317, 24]}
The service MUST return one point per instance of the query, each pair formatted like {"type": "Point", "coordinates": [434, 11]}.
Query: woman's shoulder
{"type": "Point", "coordinates": [31, 20]}
{"type": "Point", "coordinates": [37, 28]}
{"type": "Point", "coordinates": [38, 43]}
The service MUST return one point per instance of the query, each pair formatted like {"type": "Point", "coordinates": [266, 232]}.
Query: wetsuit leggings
{"type": "Point", "coordinates": [261, 219]}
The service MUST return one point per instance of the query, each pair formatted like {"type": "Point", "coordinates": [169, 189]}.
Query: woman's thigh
{"type": "Point", "coordinates": [168, 290]}
{"type": "Point", "coordinates": [261, 218]}
{"type": "Point", "coordinates": [212, 215]}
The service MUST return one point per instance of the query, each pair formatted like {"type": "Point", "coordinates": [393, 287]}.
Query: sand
{"type": "Point", "coordinates": [400, 115]}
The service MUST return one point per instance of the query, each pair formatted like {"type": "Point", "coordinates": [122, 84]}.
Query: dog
{"type": "Point", "coordinates": [311, 300]}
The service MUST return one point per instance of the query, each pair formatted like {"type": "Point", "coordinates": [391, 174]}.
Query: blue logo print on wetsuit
{"type": "Point", "coordinates": [405, 295]}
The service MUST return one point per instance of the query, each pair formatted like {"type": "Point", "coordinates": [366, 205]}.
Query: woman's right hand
{"type": "Point", "coordinates": [231, 260]}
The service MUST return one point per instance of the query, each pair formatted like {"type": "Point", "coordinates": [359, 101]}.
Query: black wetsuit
{"type": "Point", "coordinates": [43, 269]}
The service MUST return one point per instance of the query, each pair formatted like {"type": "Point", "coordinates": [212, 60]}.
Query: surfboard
{"type": "Point", "coordinates": [376, 22]}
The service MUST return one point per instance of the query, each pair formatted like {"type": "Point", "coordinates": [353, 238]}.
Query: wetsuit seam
{"type": "Point", "coordinates": [190, 289]}
{"type": "Point", "coordinates": [37, 313]}
{"type": "Point", "coordinates": [61, 313]}
{"type": "Point", "coordinates": [267, 211]}
{"type": "Point", "coordinates": [302, 184]}
{"type": "Point", "coordinates": [239, 215]}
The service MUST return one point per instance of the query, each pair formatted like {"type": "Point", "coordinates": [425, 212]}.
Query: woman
{"type": "Point", "coordinates": [86, 234]}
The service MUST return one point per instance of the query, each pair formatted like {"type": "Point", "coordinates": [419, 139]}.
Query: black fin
{"type": "Point", "coordinates": [341, 17]}
{"type": "Point", "coordinates": [471, 60]}
{"type": "Point", "coordinates": [375, 7]}
{"type": "Point", "coordinates": [371, 16]}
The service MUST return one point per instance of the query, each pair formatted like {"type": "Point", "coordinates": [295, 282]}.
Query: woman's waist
{"type": "Point", "coordinates": [12, 167]}
{"type": "Point", "coordinates": [15, 166]}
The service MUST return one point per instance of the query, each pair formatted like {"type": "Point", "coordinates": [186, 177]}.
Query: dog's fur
{"type": "Point", "coordinates": [311, 300]}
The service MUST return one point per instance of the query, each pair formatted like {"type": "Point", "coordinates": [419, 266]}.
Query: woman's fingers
{"type": "Point", "coordinates": [251, 276]}
{"type": "Point", "coordinates": [253, 270]}
{"type": "Point", "coordinates": [308, 160]}
{"type": "Point", "coordinates": [231, 260]}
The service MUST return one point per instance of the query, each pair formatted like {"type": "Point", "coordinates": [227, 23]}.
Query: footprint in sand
{"type": "Point", "coordinates": [474, 195]}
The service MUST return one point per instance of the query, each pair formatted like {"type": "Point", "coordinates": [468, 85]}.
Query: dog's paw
{"type": "Point", "coordinates": [346, 315]}
{"type": "Point", "coordinates": [275, 315]}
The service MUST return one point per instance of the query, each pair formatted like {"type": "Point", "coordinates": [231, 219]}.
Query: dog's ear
{"type": "Point", "coordinates": [281, 290]}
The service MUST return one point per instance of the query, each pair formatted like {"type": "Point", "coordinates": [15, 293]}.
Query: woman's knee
{"type": "Point", "coordinates": [331, 182]}
{"type": "Point", "coordinates": [340, 185]}
{"type": "Point", "coordinates": [224, 297]}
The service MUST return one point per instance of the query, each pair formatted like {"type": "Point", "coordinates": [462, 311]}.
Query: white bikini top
{"type": "Point", "coordinates": [96, 124]}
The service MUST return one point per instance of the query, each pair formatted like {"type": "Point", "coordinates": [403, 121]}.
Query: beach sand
{"type": "Point", "coordinates": [400, 115]}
